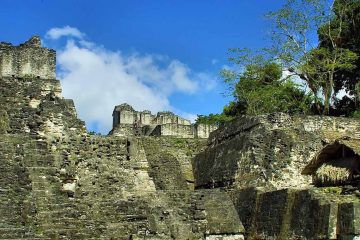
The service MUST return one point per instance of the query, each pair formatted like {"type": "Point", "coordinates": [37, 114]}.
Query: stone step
{"type": "Point", "coordinates": [15, 233]}
{"type": "Point", "coordinates": [67, 234]}
{"type": "Point", "coordinates": [73, 213]}
{"type": "Point", "coordinates": [9, 221]}
{"type": "Point", "coordinates": [41, 170]}
{"type": "Point", "coordinates": [27, 238]}
{"type": "Point", "coordinates": [60, 206]}
{"type": "Point", "coordinates": [43, 178]}
{"type": "Point", "coordinates": [45, 184]}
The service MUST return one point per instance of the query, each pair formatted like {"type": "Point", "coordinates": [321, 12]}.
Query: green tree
{"type": "Point", "coordinates": [348, 11]}
{"type": "Point", "coordinates": [215, 119]}
{"type": "Point", "coordinates": [294, 48]}
{"type": "Point", "coordinates": [261, 89]}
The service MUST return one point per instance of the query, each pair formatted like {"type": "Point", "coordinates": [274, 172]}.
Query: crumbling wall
{"type": "Point", "coordinates": [27, 60]}
{"type": "Point", "coordinates": [270, 150]}
{"type": "Point", "coordinates": [128, 122]}
{"type": "Point", "coordinates": [36, 107]}
{"type": "Point", "coordinates": [173, 129]}
{"type": "Point", "coordinates": [204, 130]}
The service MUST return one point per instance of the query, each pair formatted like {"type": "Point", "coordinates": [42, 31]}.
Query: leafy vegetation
{"type": "Point", "coordinates": [213, 119]}
{"type": "Point", "coordinates": [347, 13]}
{"type": "Point", "coordinates": [261, 89]}
{"type": "Point", "coordinates": [299, 72]}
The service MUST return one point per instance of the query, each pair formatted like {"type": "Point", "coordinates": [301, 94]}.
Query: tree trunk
{"type": "Point", "coordinates": [328, 92]}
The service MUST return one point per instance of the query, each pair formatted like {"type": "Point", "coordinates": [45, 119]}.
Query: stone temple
{"type": "Point", "coordinates": [28, 59]}
{"type": "Point", "coordinates": [127, 122]}
{"type": "Point", "coordinates": [268, 177]}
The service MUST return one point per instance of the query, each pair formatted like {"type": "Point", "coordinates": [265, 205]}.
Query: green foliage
{"type": "Point", "coordinates": [94, 133]}
{"type": "Point", "coordinates": [256, 81]}
{"type": "Point", "coordinates": [214, 119]}
{"type": "Point", "coordinates": [322, 63]}
{"type": "Point", "coordinates": [261, 90]}
{"type": "Point", "coordinates": [344, 33]}
{"type": "Point", "coordinates": [4, 122]}
{"type": "Point", "coordinates": [294, 25]}
{"type": "Point", "coordinates": [356, 114]}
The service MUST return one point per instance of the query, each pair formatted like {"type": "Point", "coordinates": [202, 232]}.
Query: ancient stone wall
{"type": "Point", "coordinates": [36, 107]}
{"type": "Point", "coordinates": [259, 161]}
{"type": "Point", "coordinates": [204, 130]}
{"type": "Point", "coordinates": [297, 214]}
{"type": "Point", "coordinates": [127, 121]}
{"type": "Point", "coordinates": [173, 129]}
{"type": "Point", "coordinates": [174, 156]}
{"type": "Point", "coordinates": [270, 150]}
{"type": "Point", "coordinates": [59, 182]}
{"type": "Point", "coordinates": [27, 60]}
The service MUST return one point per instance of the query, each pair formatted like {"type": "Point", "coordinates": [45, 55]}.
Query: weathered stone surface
{"type": "Point", "coordinates": [270, 151]}
{"type": "Point", "coordinates": [59, 182]}
{"type": "Point", "coordinates": [295, 213]}
{"type": "Point", "coordinates": [27, 60]}
{"type": "Point", "coordinates": [128, 122]}
{"type": "Point", "coordinates": [4, 122]}
{"type": "Point", "coordinates": [170, 161]}
{"type": "Point", "coordinates": [349, 218]}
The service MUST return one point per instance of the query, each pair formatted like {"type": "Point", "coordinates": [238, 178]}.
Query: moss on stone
{"type": "Point", "coordinates": [4, 122]}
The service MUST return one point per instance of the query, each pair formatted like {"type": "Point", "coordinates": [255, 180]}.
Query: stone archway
{"type": "Point", "coordinates": [336, 164]}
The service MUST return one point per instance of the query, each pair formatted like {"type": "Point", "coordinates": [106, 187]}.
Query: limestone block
{"type": "Point", "coordinates": [69, 187]}
{"type": "Point", "coordinates": [245, 203]}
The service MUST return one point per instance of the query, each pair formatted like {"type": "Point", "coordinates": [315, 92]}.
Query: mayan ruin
{"type": "Point", "coordinates": [127, 121]}
{"type": "Point", "coordinates": [180, 120]}
{"type": "Point", "coordinates": [271, 176]}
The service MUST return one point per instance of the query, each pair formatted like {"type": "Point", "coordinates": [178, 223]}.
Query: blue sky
{"type": "Point", "coordinates": [159, 54]}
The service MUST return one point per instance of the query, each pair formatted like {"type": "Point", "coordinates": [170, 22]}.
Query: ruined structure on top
{"type": "Point", "coordinates": [27, 60]}
{"type": "Point", "coordinates": [128, 122]}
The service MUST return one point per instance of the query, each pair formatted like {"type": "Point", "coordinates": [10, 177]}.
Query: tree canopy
{"type": "Point", "coordinates": [313, 56]}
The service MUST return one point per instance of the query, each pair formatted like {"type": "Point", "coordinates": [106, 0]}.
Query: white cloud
{"type": "Point", "coordinates": [98, 79]}
{"type": "Point", "coordinates": [190, 116]}
{"type": "Point", "coordinates": [67, 31]}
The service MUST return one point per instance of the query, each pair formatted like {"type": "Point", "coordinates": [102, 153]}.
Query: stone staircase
{"type": "Point", "coordinates": [57, 215]}
{"type": "Point", "coordinates": [15, 188]}
{"type": "Point", "coordinates": [17, 97]}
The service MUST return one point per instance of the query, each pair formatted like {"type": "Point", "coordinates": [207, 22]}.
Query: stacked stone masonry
{"type": "Point", "coordinates": [268, 165]}
{"type": "Point", "coordinates": [253, 178]}
{"type": "Point", "coordinates": [27, 60]}
{"type": "Point", "coordinates": [59, 182]}
{"type": "Point", "coordinates": [127, 121]}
